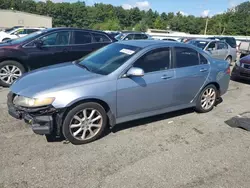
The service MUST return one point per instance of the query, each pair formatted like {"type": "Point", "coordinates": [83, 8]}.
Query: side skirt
{"type": "Point", "coordinates": [153, 113]}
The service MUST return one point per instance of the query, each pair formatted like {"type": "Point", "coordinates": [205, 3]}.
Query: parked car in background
{"type": "Point", "coordinates": [244, 48]}
{"type": "Point", "coordinates": [12, 28]}
{"type": "Point", "coordinates": [132, 35]}
{"type": "Point", "coordinates": [169, 39]}
{"type": "Point", "coordinates": [47, 47]}
{"type": "Point", "coordinates": [113, 33]}
{"type": "Point", "coordinates": [123, 81]}
{"type": "Point", "coordinates": [229, 40]}
{"type": "Point", "coordinates": [185, 39]}
{"type": "Point", "coordinates": [16, 33]}
{"type": "Point", "coordinates": [217, 49]}
{"type": "Point", "coordinates": [241, 69]}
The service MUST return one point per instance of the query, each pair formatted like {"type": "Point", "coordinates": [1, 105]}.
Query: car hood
{"type": "Point", "coordinates": [52, 79]}
{"type": "Point", "coordinates": [245, 60]}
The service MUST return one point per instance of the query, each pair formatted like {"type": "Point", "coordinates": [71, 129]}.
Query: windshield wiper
{"type": "Point", "coordinates": [81, 65]}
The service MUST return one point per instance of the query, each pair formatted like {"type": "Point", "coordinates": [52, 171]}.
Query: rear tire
{"type": "Point", "coordinates": [10, 71]}
{"type": "Point", "coordinates": [84, 123]}
{"type": "Point", "coordinates": [206, 99]}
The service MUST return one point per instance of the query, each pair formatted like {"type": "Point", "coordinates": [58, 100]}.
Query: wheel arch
{"type": "Point", "coordinates": [110, 114]}
{"type": "Point", "coordinates": [26, 67]}
{"type": "Point", "coordinates": [230, 57]}
{"type": "Point", "coordinates": [215, 84]}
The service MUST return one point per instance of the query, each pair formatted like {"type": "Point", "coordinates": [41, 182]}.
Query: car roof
{"type": "Point", "coordinates": [203, 40]}
{"type": "Point", "coordinates": [145, 43]}
{"type": "Point", "coordinates": [72, 28]}
{"type": "Point", "coordinates": [133, 32]}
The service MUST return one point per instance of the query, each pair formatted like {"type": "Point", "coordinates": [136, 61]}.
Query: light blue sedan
{"type": "Point", "coordinates": [121, 82]}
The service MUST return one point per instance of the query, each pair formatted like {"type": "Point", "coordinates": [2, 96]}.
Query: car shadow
{"type": "Point", "coordinates": [145, 121]}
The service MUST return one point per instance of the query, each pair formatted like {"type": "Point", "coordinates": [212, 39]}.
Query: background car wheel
{"type": "Point", "coordinates": [207, 99]}
{"type": "Point", "coordinates": [84, 123]}
{"type": "Point", "coordinates": [9, 72]}
{"type": "Point", "coordinates": [229, 60]}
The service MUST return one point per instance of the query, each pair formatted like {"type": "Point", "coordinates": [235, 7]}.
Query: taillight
{"type": "Point", "coordinates": [228, 70]}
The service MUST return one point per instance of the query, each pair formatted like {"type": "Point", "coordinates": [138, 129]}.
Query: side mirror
{"type": "Point", "coordinates": [135, 72]}
{"type": "Point", "coordinates": [38, 43]}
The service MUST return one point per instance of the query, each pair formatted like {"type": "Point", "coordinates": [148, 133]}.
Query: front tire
{"type": "Point", "coordinates": [84, 123]}
{"type": "Point", "coordinates": [206, 99]}
{"type": "Point", "coordinates": [10, 71]}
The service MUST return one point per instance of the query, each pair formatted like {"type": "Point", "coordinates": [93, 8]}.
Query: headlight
{"type": "Point", "coordinates": [30, 102]}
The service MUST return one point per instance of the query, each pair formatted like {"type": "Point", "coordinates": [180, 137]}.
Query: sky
{"type": "Point", "coordinates": [186, 7]}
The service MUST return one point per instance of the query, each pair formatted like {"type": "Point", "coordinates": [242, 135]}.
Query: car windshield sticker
{"type": "Point", "coordinates": [202, 42]}
{"type": "Point", "coordinates": [127, 51]}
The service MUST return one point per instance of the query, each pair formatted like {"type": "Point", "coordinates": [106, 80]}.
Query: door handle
{"type": "Point", "coordinates": [65, 50]}
{"type": "Point", "coordinates": [203, 70]}
{"type": "Point", "coordinates": [166, 77]}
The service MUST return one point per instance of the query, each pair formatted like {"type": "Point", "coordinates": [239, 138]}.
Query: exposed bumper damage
{"type": "Point", "coordinates": [43, 120]}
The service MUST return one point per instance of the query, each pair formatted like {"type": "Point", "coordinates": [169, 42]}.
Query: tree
{"type": "Point", "coordinates": [236, 21]}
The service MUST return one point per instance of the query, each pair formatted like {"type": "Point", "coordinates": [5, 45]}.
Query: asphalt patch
{"type": "Point", "coordinates": [240, 121]}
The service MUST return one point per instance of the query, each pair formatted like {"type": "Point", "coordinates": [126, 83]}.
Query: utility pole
{"type": "Point", "coordinates": [205, 32]}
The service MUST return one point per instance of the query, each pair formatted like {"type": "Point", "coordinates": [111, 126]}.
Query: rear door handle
{"type": "Point", "coordinates": [166, 77]}
{"type": "Point", "coordinates": [203, 70]}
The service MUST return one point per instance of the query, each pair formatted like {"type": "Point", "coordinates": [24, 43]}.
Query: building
{"type": "Point", "coordinates": [10, 18]}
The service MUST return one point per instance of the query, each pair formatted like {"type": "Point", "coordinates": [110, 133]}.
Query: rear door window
{"type": "Point", "coordinates": [212, 46]}
{"type": "Point", "coordinates": [82, 37]}
{"type": "Point", "coordinates": [100, 37]}
{"type": "Point", "coordinates": [203, 60]}
{"type": "Point", "coordinates": [138, 37]}
{"type": "Point", "coordinates": [129, 37]}
{"type": "Point", "coordinates": [221, 46]}
{"type": "Point", "coordinates": [185, 57]}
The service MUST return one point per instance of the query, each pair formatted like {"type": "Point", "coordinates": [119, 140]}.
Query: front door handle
{"type": "Point", "coordinates": [166, 77]}
{"type": "Point", "coordinates": [203, 70]}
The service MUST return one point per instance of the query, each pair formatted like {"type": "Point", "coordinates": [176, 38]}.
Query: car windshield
{"type": "Point", "coordinates": [120, 36]}
{"type": "Point", "coordinates": [9, 30]}
{"type": "Point", "coordinates": [199, 44]}
{"type": "Point", "coordinates": [109, 58]}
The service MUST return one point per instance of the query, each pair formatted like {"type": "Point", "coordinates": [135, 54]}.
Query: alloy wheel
{"type": "Point", "coordinates": [86, 124]}
{"type": "Point", "coordinates": [9, 73]}
{"type": "Point", "coordinates": [208, 98]}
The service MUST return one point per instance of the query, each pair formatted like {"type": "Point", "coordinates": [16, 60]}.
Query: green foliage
{"type": "Point", "coordinates": [101, 16]}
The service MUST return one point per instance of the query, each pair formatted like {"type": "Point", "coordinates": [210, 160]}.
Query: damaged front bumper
{"type": "Point", "coordinates": [43, 120]}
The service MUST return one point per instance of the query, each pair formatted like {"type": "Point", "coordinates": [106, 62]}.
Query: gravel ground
{"type": "Point", "coordinates": [175, 150]}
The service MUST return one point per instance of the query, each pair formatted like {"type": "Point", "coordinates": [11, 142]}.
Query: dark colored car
{"type": "Point", "coordinates": [132, 35]}
{"type": "Point", "coordinates": [47, 47]}
{"type": "Point", "coordinates": [241, 69]}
